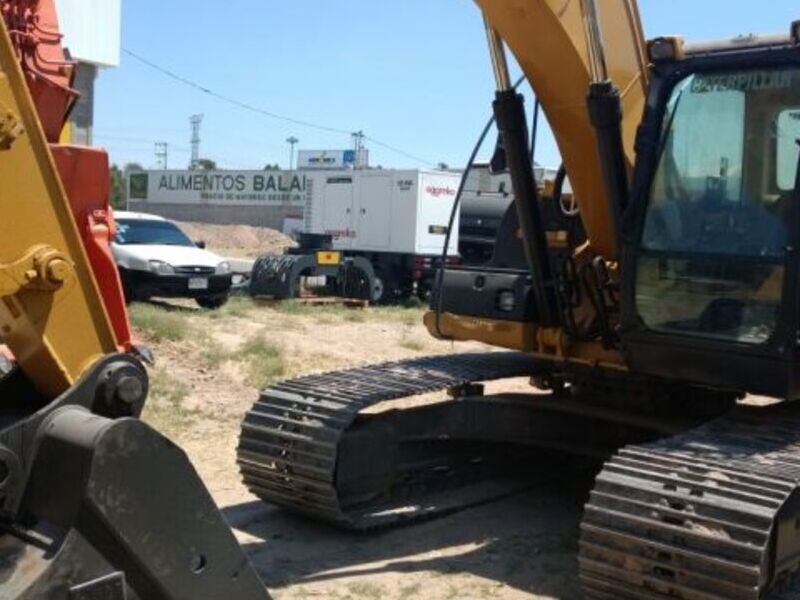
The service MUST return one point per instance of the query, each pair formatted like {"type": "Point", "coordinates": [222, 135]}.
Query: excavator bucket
{"type": "Point", "coordinates": [96, 504]}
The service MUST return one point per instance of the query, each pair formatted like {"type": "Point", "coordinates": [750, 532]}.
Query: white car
{"type": "Point", "coordinates": [156, 259]}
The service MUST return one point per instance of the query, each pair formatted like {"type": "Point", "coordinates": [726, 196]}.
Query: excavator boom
{"type": "Point", "coordinates": [548, 39]}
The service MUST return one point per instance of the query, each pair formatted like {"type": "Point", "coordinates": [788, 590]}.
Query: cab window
{"type": "Point", "coordinates": [712, 252]}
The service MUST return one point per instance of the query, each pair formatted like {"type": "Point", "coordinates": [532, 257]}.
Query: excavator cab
{"type": "Point", "coordinates": [710, 259]}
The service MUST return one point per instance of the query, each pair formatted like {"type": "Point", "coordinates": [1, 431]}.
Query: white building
{"type": "Point", "coordinates": [92, 37]}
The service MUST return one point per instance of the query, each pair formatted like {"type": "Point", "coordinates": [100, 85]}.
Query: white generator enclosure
{"type": "Point", "coordinates": [400, 212]}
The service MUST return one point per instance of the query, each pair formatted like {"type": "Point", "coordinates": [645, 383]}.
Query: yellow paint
{"type": "Point", "coordinates": [329, 258]}
{"type": "Point", "coordinates": [55, 322]}
{"type": "Point", "coordinates": [547, 37]}
{"type": "Point", "coordinates": [544, 344]}
{"type": "Point", "coordinates": [511, 335]}
{"type": "Point", "coordinates": [66, 134]}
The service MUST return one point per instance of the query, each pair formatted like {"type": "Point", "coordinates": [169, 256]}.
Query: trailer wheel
{"type": "Point", "coordinates": [386, 288]}
{"type": "Point", "coordinates": [357, 285]}
{"type": "Point", "coordinates": [378, 295]}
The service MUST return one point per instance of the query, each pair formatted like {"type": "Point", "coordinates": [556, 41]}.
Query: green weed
{"type": "Point", "coordinates": [159, 324]}
{"type": "Point", "coordinates": [265, 361]}
{"type": "Point", "coordinates": [238, 307]}
{"type": "Point", "coordinates": [165, 409]}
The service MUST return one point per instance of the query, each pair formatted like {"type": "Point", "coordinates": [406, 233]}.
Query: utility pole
{"type": "Point", "coordinates": [358, 141]}
{"type": "Point", "coordinates": [162, 155]}
{"type": "Point", "coordinates": [196, 121]}
{"type": "Point", "coordinates": [292, 141]}
{"type": "Point", "coordinates": [358, 147]}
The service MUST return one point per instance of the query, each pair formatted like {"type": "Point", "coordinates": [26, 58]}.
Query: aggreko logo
{"type": "Point", "coordinates": [440, 191]}
{"type": "Point", "coordinates": [339, 234]}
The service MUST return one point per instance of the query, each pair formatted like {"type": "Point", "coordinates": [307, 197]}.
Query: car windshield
{"type": "Point", "coordinates": [131, 232]}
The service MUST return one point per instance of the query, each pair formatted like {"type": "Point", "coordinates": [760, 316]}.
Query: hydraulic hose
{"type": "Point", "coordinates": [456, 204]}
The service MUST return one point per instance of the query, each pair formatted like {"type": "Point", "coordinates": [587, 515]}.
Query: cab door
{"type": "Point", "coordinates": [711, 266]}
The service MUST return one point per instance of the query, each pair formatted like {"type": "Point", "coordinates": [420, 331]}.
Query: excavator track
{"type": "Point", "coordinates": [711, 514]}
{"type": "Point", "coordinates": [291, 438]}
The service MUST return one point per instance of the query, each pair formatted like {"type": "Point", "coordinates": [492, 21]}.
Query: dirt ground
{"type": "Point", "coordinates": [210, 367]}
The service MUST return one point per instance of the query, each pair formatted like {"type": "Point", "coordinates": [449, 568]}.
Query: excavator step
{"type": "Point", "coordinates": [710, 514]}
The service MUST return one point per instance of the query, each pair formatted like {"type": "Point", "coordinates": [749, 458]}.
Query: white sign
{"type": "Point", "coordinates": [326, 159]}
{"type": "Point", "coordinates": [253, 188]}
{"type": "Point", "coordinates": [91, 30]}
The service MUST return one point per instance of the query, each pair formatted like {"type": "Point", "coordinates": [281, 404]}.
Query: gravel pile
{"type": "Point", "coordinates": [239, 240]}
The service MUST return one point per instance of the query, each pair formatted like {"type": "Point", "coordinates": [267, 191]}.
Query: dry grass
{"type": "Point", "coordinates": [408, 314]}
{"type": "Point", "coordinates": [264, 361]}
{"type": "Point", "coordinates": [166, 409]}
{"type": "Point", "coordinates": [413, 344]}
{"type": "Point", "coordinates": [255, 345]}
{"type": "Point", "coordinates": [238, 307]}
{"type": "Point", "coordinates": [366, 590]}
{"type": "Point", "coordinates": [159, 324]}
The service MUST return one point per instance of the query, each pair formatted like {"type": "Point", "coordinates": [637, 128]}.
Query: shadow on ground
{"type": "Point", "coordinates": [172, 306]}
{"type": "Point", "coordinates": [527, 542]}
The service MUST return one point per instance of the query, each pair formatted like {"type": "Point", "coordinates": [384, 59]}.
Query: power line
{"type": "Point", "coordinates": [139, 141]}
{"type": "Point", "coordinates": [369, 138]}
{"type": "Point", "coordinates": [266, 113]}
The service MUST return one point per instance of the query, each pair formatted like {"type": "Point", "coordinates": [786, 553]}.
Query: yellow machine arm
{"type": "Point", "coordinates": [52, 315]}
{"type": "Point", "coordinates": [549, 39]}
{"type": "Point", "coordinates": [75, 459]}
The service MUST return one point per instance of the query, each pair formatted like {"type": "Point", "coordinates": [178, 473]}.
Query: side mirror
{"type": "Point", "coordinates": [200, 244]}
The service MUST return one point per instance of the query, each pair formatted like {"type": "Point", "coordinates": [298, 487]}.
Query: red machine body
{"type": "Point", "coordinates": [84, 171]}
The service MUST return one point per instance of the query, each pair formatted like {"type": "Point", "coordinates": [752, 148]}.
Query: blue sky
{"type": "Point", "coordinates": [413, 74]}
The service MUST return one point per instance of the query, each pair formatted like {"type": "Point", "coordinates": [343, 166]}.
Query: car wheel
{"type": "Point", "coordinates": [212, 302]}
{"type": "Point", "coordinates": [128, 289]}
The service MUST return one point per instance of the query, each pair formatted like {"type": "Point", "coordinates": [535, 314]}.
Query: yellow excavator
{"type": "Point", "coordinates": [647, 328]}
